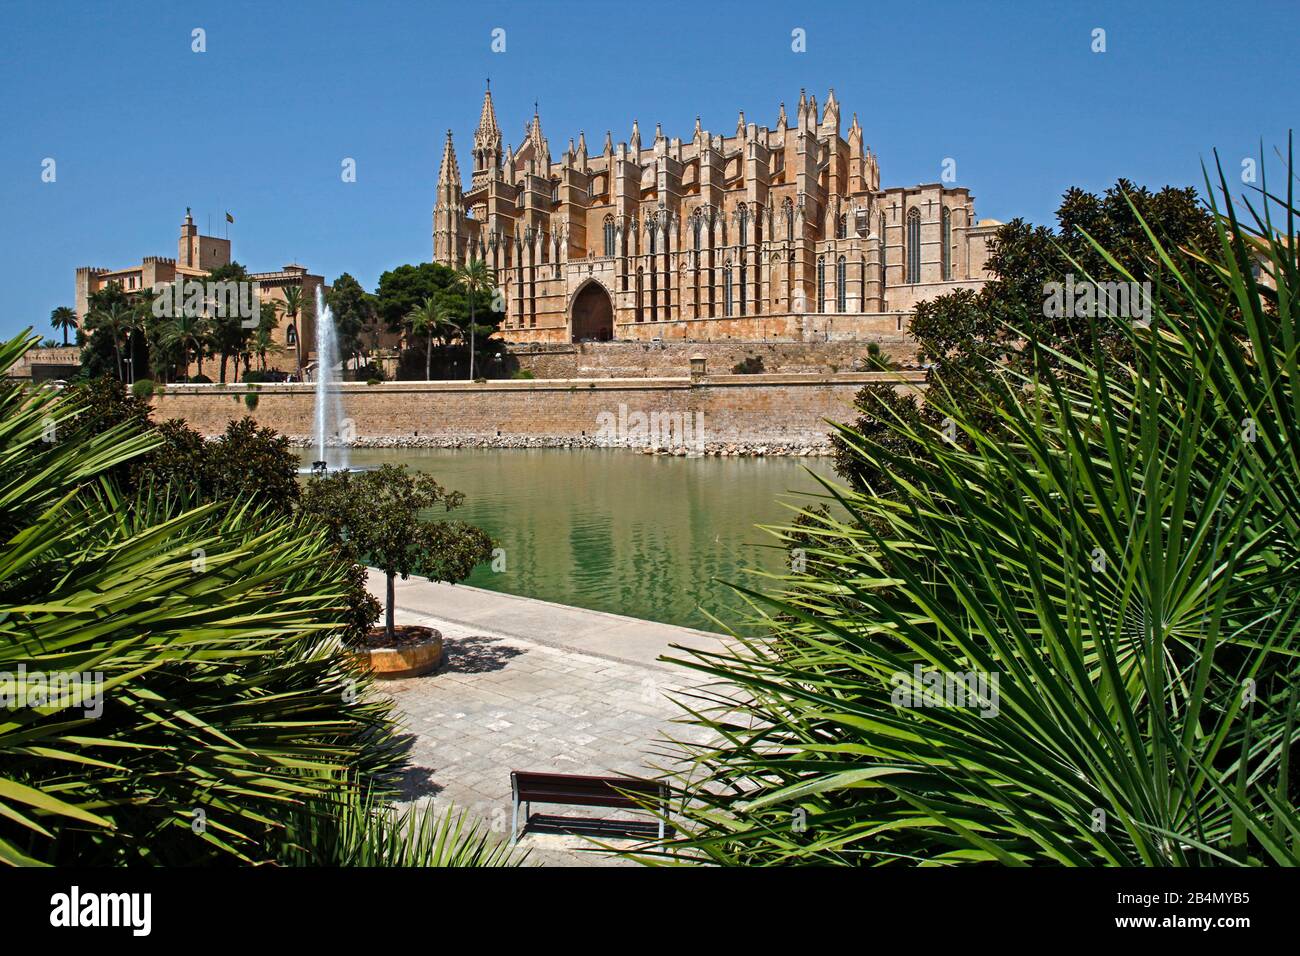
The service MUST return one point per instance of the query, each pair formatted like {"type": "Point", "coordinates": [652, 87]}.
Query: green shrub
{"type": "Point", "coordinates": [231, 726]}
{"type": "Point", "coordinates": [1103, 584]}
{"type": "Point", "coordinates": [143, 388]}
{"type": "Point", "coordinates": [749, 365]}
{"type": "Point", "coordinates": [522, 373]}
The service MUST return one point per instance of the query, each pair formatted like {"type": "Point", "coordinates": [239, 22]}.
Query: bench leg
{"type": "Point", "coordinates": [514, 818]}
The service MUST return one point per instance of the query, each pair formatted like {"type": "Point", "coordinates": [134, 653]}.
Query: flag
{"type": "Point", "coordinates": [229, 217]}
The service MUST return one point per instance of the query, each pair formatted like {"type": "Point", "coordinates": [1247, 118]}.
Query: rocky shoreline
{"type": "Point", "coordinates": [712, 449]}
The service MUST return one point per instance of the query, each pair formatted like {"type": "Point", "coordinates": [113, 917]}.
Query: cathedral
{"type": "Point", "coordinates": [773, 233]}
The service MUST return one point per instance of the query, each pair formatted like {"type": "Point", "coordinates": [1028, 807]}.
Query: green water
{"type": "Point", "coordinates": [611, 530]}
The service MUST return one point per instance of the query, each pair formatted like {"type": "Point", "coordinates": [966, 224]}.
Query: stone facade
{"type": "Point", "coordinates": [668, 359]}
{"type": "Point", "coordinates": [770, 233]}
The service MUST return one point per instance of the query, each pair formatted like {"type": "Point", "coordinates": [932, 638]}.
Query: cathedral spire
{"type": "Point", "coordinates": [487, 143]}
{"type": "Point", "coordinates": [609, 143]}
{"type": "Point", "coordinates": [699, 131]}
{"type": "Point", "coordinates": [831, 116]}
{"type": "Point", "coordinates": [740, 124]}
{"type": "Point", "coordinates": [781, 121]}
{"type": "Point", "coordinates": [487, 119]}
{"type": "Point", "coordinates": [634, 143]}
{"type": "Point", "coordinates": [449, 172]}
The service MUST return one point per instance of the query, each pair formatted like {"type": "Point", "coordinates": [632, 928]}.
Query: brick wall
{"type": "Point", "coordinates": [735, 408]}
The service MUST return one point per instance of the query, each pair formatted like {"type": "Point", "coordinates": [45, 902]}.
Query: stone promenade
{"type": "Point", "coordinates": [529, 685]}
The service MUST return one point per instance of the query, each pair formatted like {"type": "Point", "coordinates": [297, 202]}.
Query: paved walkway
{"type": "Point", "coordinates": [538, 686]}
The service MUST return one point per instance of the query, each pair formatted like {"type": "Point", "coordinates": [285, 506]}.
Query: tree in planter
{"type": "Point", "coordinates": [376, 514]}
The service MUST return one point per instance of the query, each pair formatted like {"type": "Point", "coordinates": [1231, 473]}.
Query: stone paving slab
{"type": "Point", "coordinates": [581, 693]}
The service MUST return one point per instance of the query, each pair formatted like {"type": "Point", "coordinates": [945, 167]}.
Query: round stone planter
{"type": "Point", "coordinates": [408, 660]}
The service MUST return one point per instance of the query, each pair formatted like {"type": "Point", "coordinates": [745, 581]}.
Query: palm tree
{"type": "Point", "coordinates": [428, 318]}
{"type": "Point", "coordinates": [263, 341]}
{"type": "Point", "coordinates": [264, 344]}
{"type": "Point", "coordinates": [64, 318]}
{"type": "Point", "coordinates": [475, 278]}
{"type": "Point", "coordinates": [119, 321]}
{"type": "Point", "coordinates": [188, 333]}
{"type": "Point", "coordinates": [292, 306]}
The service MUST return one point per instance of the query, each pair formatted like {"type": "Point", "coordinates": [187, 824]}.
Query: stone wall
{"type": "Point", "coordinates": [750, 410]}
{"type": "Point", "coordinates": [42, 363]}
{"type": "Point", "coordinates": [669, 359]}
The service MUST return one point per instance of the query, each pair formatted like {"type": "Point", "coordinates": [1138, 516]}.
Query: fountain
{"type": "Point", "coordinates": [329, 397]}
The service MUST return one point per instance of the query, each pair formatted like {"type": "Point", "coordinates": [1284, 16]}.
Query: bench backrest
{"type": "Point", "coordinates": [581, 790]}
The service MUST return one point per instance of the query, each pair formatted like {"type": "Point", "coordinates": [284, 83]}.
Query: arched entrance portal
{"type": "Point", "coordinates": [592, 314]}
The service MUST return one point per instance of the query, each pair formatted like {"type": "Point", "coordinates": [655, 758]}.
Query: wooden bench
{"type": "Point", "coordinates": [581, 791]}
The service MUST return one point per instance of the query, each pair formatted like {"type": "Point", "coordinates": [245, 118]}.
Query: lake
{"type": "Point", "coordinates": [647, 536]}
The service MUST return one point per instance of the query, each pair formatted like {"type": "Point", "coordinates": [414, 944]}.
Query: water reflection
{"type": "Point", "coordinates": [619, 532]}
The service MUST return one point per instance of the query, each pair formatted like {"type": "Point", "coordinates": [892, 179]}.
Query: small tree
{"type": "Point", "coordinates": [376, 514]}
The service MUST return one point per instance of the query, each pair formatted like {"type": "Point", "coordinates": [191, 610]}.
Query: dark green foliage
{"type": "Point", "coordinates": [405, 288]}
{"type": "Point", "coordinates": [966, 336]}
{"type": "Point", "coordinates": [354, 312]}
{"type": "Point", "coordinates": [377, 515]}
{"type": "Point", "coordinates": [749, 365]}
{"type": "Point", "coordinates": [1120, 553]}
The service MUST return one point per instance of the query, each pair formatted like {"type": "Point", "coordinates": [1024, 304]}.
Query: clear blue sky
{"type": "Point", "coordinates": [141, 127]}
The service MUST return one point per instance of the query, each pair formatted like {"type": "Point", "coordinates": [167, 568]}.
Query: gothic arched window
{"type": "Point", "coordinates": [788, 209]}
{"type": "Point", "coordinates": [291, 335]}
{"type": "Point", "coordinates": [728, 294]}
{"type": "Point", "coordinates": [650, 236]}
{"type": "Point", "coordinates": [743, 219]}
{"type": "Point", "coordinates": [821, 283]}
{"type": "Point", "coordinates": [841, 285]}
{"type": "Point", "coordinates": [610, 246]}
{"type": "Point", "coordinates": [946, 245]}
{"type": "Point", "coordinates": [913, 246]}
{"type": "Point", "coordinates": [640, 285]}
{"type": "Point", "coordinates": [842, 227]}
{"type": "Point", "coordinates": [697, 228]}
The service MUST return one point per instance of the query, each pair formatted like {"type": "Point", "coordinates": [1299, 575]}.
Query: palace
{"type": "Point", "coordinates": [772, 233]}
{"type": "Point", "coordinates": [196, 256]}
